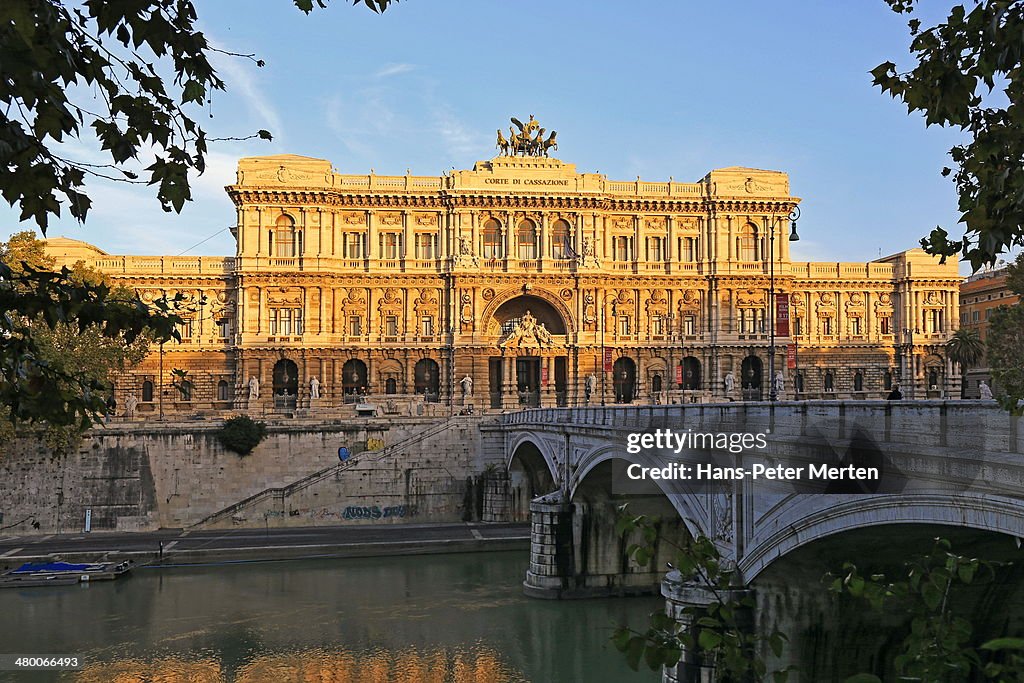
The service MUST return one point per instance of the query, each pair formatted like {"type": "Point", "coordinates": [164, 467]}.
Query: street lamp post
{"type": "Point", "coordinates": [794, 215]}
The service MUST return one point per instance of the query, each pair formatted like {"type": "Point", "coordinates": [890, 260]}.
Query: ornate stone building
{"type": "Point", "coordinates": [523, 282]}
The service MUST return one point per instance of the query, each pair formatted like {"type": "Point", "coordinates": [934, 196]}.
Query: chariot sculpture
{"type": "Point", "coordinates": [527, 141]}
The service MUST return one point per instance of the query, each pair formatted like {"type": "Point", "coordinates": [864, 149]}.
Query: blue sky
{"type": "Point", "coordinates": [649, 89]}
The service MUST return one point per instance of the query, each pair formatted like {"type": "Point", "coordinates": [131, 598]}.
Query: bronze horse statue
{"type": "Point", "coordinates": [503, 144]}
{"type": "Point", "coordinates": [549, 144]}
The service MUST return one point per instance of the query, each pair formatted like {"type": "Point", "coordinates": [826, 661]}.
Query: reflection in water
{"type": "Point", "coordinates": [317, 666]}
{"type": "Point", "coordinates": [444, 618]}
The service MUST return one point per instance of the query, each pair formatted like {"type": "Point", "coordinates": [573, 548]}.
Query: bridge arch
{"type": "Point", "coordinates": [694, 518]}
{"type": "Point", "coordinates": [799, 526]}
{"type": "Point", "coordinates": [532, 471]}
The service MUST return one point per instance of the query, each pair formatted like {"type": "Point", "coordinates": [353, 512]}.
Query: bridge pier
{"type": "Point", "coordinates": [550, 547]}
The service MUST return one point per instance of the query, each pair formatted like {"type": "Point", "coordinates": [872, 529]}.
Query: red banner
{"type": "Point", "coordinates": [782, 315]}
{"type": "Point", "coordinates": [679, 374]}
{"type": "Point", "coordinates": [791, 356]}
{"type": "Point", "coordinates": [544, 375]}
{"type": "Point", "coordinates": [607, 360]}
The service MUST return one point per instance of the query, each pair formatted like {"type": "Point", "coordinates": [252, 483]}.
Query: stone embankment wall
{"type": "Point", "coordinates": [143, 477]}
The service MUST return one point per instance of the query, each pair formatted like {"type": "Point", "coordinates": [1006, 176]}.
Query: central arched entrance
{"type": "Point", "coordinates": [523, 377]}
{"type": "Point", "coordinates": [286, 383]}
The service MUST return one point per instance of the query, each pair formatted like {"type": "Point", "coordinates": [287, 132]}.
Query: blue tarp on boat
{"type": "Point", "coordinates": [30, 568]}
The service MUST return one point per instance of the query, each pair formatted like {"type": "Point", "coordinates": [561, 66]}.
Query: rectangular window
{"type": "Point", "coordinates": [798, 326]}
{"type": "Point", "coordinates": [655, 249]}
{"type": "Point", "coordinates": [389, 245]}
{"type": "Point", "coordinates": [687, 249]}
{"type": "Point", "coordinates": [623, 248]}
{"type": "Point", "coordinates": [657, 325]}
{"type": "Point", "coordinates": [185, 328]}
{"type": "Point", "coordinates": [297, 320]}
{"type": "Point", "coordinates": [974, 316]}
{"type": "Point", "coordinates": [285, 321]}
{"type": "Point", "coordinates": [934, 318]}
{"type": "Point", "coordinates": [355, 326]}
{"type": "Point", "coordinates": [885, 325]}
{"type": "Point", "coordinates": [427, 326]}
{"type": "Point", "coordinates": [425, 246]}
{"type": "Point", "coordinates": [855, 326]}
{"type": "Point", "coordinates": [224, 328]}
{"type": "Point", "coordinates": [690, 325]}
{"type": "Point", "coordinates": [826, 326]}
{"type": "Point", "coordinates": [353, 245]}
{"type": "Point", "coordinates": [391, 326]}
{"type": "Point", "coordinates": [624, 325]}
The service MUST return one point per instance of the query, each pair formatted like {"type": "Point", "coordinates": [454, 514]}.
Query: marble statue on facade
{"type": "Point", "coordinates": [130, 404]}
{"type": "Point", "coordinates": [467, 386]}
{"type": "Point", "coordinates": [779, 383]}
{"type": "Point", "coordinates": [314, 387]}
{"type": "Point", "coordinates": [254, 387]}
{"type": "Point", "coordinates": [985, 391]}
{"type": "Point", "coordinates": [590, 386]}
{"type": "Point", "coordinates": [730, 382]}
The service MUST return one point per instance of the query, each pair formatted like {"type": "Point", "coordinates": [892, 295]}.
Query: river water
{"type": "Point", "coordinates": [431, 618]}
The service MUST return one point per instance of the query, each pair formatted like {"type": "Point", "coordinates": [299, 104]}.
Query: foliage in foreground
{"type": "Point", "coordinates": [721, 634]}
{"type": "Point", "coordinates": [961, 63]}
{"type": "Point", "coordinates": [62, 336]}
{"type": "Point", "coordinates": [92, 70]}
{"type": "Point", "coordinates": [939, 648]}
{"type": "Point", "coordinates": [241, 434]}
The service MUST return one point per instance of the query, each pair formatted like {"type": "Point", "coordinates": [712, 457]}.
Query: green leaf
{"type": "Point", "coordinates": [709, 640]}
{"type": "Point", "coordinates": [1004, 644]}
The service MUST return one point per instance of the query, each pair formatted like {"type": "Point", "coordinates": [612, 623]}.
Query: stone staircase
{"type": "Point", "coordinates": [277, 495]}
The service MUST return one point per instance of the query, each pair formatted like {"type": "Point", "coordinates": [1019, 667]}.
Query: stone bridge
{"type": "Point", "coordinates": [952, 468]}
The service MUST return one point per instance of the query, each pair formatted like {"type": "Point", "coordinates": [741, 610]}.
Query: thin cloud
{"type": "Point", "coordinates": [394, 70]}
{"type": "Point", "coordinates": [242, 81]}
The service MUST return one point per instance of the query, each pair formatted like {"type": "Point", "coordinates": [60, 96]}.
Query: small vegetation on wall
{"type": "Point", "coordinates": [241, 434]}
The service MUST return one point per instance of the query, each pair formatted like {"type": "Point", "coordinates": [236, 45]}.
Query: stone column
{"type": "Point", "coordinates": [551, 554]}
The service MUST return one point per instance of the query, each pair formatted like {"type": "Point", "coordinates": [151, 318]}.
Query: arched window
{"type": "Point", "coordinates": [223, 391]}
{"type": "Point", "coordinates": [746, 243]}
{"type": "Point", "coordinates": [492, 244]}
{"type": "Point", "coordinates": [390, 386]}
{"type": "Point", "coordinates": [887, 380]}
{"type": "Point", "coordinates": [428, 379]}
{"type": "Point", "coordinates": [830, 382]}
{"type": "Point", "coordinates": [147, 391]}
{"type": "Point", "coordinates": [656, 384]}
{"type": "Point", "coordinates": [933, 379]}
{"type": "Point", "coordinates": [284, 240]}
{"type": "Point", "coordinates": [526, 240]}
{"type": "Point", "coordinates": [799, 382]}
{"type": "Point", "coordinates": [561, 243]}
{"type": "Point", "coordinates": [858, 381]}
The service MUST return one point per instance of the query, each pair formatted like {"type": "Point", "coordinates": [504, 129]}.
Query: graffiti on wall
{"type": "Point", "coordinates": [376, 512]}
{"type": "Point", "coordinates": [374, 444]}
{"type": "Point", "coordinates": [351, 512]}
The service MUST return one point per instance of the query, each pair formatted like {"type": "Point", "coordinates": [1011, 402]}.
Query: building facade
{"type": "Point", "coordinates": [981, 294]}
{"type": "Point", "coordinates": [523, 282]}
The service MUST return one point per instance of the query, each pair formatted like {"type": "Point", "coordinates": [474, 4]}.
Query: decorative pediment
{"type": "Point", "coordinates": [426, 220]}
{"type": "Point", "coordinates": [353, 218]}
{"type": "Point", "coordinates": [621, 222]}
{"type": "Point", "coordinates": [390, 219]}
{"type": "Point", "coordinates": [655, 223]}
{"type": "Point", "coordinates": [690, 301]}
{"type": "Point", "coordinates": [750, 298]}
